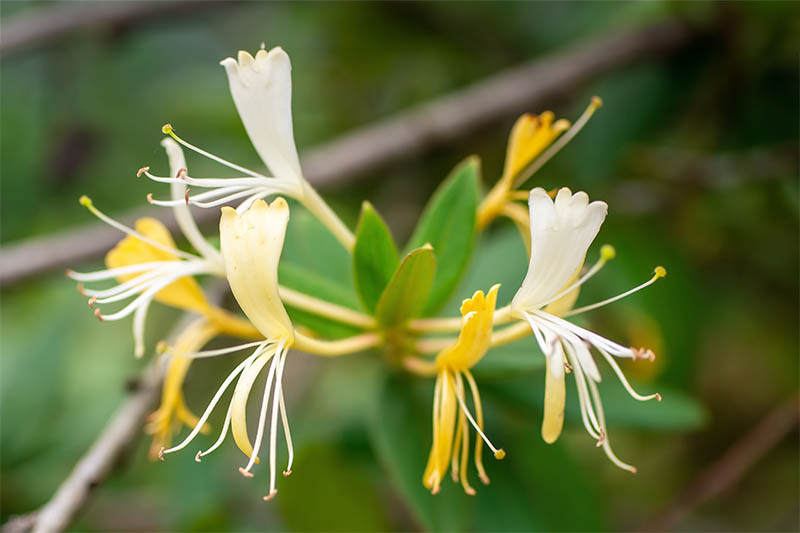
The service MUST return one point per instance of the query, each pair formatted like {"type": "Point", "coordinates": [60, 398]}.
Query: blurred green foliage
{"type": "Point", "coordinates": [695, 154]}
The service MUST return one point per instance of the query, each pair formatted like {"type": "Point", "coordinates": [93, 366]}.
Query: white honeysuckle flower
{"type": "Point", "coordinates": [261, 87]}
{"type": "Point", "coordinates": [148, 266]}
{"type": "Point", "coordinates": [561, 232]}
{"type": "Point", "coordinates": [251, 245]}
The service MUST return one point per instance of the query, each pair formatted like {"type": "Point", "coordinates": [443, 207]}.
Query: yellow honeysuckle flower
{"type": "Point", "coordinates": [149, 266]}
{"type": "Point", "coordinates": [184, 293]}
{"type": "Point", "coordinates": [161, 423]}
{"type": "Point", "coordinates": [561, 231]}
{"type": "Point", "coordinates": [530, 136]}
{"type": "Point", "coordinates": [450, 447]}
{"type": "Point", "coordinates": [251, 246]}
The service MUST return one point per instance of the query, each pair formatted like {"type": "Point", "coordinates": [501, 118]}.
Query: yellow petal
{"type": "Point", "coordinates": [554, 401]}
{"type": "Point", "coordinates": [185, 293]}
{"type": "Point", "coordinates": [251, 246]}
{"type": "Point", "coordinates": [444, 423]}
{"type": "Point", "coordinates": [530, 135]}
{"type": "Point", "coordinates": [476, 332]}
{"type": "Point", "coordinates": [193, 338]}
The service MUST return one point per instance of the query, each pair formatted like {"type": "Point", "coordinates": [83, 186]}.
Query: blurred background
{"type": "Point", "coordinates": [695, 150]}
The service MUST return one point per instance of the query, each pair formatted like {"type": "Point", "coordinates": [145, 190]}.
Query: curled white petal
{"type": "Point", "coordinates": [561, 232]}
{"type": "Point", "coordinates": [261, 87]}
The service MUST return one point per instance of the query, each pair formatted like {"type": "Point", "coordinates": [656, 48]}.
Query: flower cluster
{"type": "Point", "coordinates": [557, 228]}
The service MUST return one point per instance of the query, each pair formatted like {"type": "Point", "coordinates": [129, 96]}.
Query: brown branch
{"type": "Point", "coordinates": [729, 469]}
{"type": "Point", "coordinates": [403, 136]}
{"type": "Point", "coordinates": [44, 25]}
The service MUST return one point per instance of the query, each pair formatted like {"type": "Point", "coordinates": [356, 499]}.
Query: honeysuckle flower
{"type": "Point", "coordinates": [561, 232]}
{"type": "Point", "coordinates": [261, 88]}
{"type": "Point", "coordinates": [173, 412]}
{"type": "Point", "coordinates": [148, 266]}
{"type": "Point", "coordinates": [251, 245]}
{"type": "Point", "coordinates": [533, 141]}
{"type": "Point", "coordinates": [450, 448]}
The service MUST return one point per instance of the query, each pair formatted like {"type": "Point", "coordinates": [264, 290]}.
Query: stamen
{"type": "Point", "coordinates": [624, 380]}
{"type": "Point", "coordinates": [224, 351]}
{"type": "Point", "coordinates": [138, 329]}
{"type": "Point", "coordinates": [213, 403]}
{"type": "Point", "coordinates": [245, 205]}
{"type": "Point", "coordinates": [121, 292]}
{"type": "Point", "coordinates": [642, 353]}
{"type": "Point", "coordinates": [87, 202]}
{"type": "Point", "coordinates": [192, 201]}
{"type": "Point", "coordinates": [476, 400]}
{"type": "Point", "coordinates": [288, 436]}
{"type": "Point", "coordinates": [559, 144]}
{"type": "Point", "coordinates": [151, 292]}
{"type": "Point", "coordinates": [587, 414]}
{"type": "Point", "coordinates": [282, 351]}
{"type": "Point", "coordinates": [659, 272]}
{"type": "Point", "coordinates": [544, 346]}
{"type": "Point", "coordinates": [589, 336]}
{"type": "Point", "coordinates": [606, 444]}
{"type": "Point", "coordinates": [262, 417]}
{"type": "Point", "coordinates": [464, 453]}
{"type": "Point", "coordinates": [117, 272]}
{"type": "Point", "coordinates": [141, 279]}
{"type": "Point", "coordinates": [221, 438]}
{"type": "Point", "coordinates": [207, 183]}
{"type": "Point", "coordinates": [499, 453]}
{"type": "Point", "coordinates": [454, 459]}
{"type": "Point", "coordinates": [167, 129]}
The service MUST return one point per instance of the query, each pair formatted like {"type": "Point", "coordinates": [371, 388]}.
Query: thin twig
{"type": "Point", "coordinates": [44, 25]}
{"type": "Point", "coordinates": [403, 136]}
{"type": "Point", "coordinates": [730, 468]}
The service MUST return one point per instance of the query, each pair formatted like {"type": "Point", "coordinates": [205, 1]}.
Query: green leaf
{"type": "Point", "coordinates": [448, 224]}
{"type": "Point", "coordinates": [309, 244]}
{"type": "Point", "coordinates": [407, 292]}
{"type": "Point", "coordinates": [315, 263]}
{"type": "Point", "coordinates": [374, 257]}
